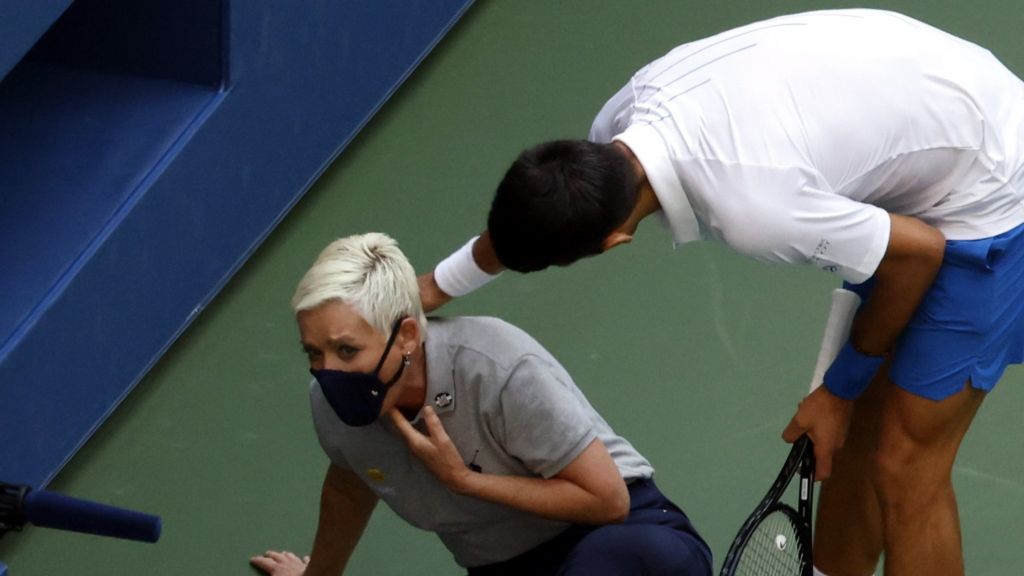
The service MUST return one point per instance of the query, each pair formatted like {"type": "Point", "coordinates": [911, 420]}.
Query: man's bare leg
{"type": "Point", "coordinates": [848, 528]}
{"type": "Point", "coordinates": [917, 445]}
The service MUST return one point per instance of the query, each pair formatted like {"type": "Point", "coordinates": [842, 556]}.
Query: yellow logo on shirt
{"type": "Point", "coordinates": [375, 474]}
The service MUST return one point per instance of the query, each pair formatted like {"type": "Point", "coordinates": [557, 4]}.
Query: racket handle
{"type": "Point", "coordinates": [837, 329]}
{"type": "Point", "coordinates": [52, 510]}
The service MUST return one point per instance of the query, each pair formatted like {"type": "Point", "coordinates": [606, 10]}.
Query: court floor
{"type": "Point", "coordinates": [696, 355]}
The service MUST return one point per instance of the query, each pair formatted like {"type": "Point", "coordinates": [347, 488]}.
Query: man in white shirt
{"type": "Point", "coordinates": [865, 143]}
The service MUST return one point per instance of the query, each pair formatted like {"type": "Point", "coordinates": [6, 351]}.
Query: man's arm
{"type": "Point", "coordinates": [589, 490]}
{"type": "Point", "coordinates": [431, 294]}
{"type": "Point", "coordinates": [908, 269]}
{"type": "Point", "coordinates": [485, 256]}
{"type": "Point", "coordinates": [484, 259]}
{"type": "Point", "coordinates": [345, 508]}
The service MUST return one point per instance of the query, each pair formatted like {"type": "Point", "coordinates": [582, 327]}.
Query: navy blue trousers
{"type": "Point", "coordinates": [656, 539]}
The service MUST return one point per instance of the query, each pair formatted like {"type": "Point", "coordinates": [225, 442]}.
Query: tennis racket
{"type": "Point", "coordinates": [775, 540]}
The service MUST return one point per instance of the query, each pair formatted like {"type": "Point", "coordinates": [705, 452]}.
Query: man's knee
{"type": "Point", "coordinates": [917, 444]}
{"type": "Point", "coordinates": [907, 477]}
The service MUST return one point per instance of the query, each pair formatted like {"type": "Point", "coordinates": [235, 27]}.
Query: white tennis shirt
{"type": "Point", "coordinates": [790, 139]}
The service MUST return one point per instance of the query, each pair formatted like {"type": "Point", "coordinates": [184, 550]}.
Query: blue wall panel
{"type": "Point", "coordinates": [301, 78]}
{"type": "Point", "coordinates": [22, 23]}
{"type": "Point", "coordinates": [64, 180]}
{"type": "Point", "coordinates": [170, 39]}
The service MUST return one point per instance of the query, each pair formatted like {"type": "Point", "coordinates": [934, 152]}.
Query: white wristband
{"type": "Point", "coordinates": [459, 274]}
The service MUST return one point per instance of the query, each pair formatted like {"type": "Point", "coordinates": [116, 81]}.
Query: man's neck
{"type": "Point", "coordinates": [646, 200]}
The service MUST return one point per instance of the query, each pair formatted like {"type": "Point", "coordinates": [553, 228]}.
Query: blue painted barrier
{"type": "Point", "coordinates": [22, 23]}
{"type": "Point", "coordinates": [136, 179]}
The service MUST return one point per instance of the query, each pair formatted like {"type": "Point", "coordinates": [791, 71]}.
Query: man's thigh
{"type": "Point", "coordinates": [919, 438]}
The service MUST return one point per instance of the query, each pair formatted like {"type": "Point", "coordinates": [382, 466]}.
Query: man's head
{"type": "Point", "coordinates": [558, 203]}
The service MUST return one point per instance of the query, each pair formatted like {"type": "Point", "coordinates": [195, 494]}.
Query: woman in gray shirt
{"type": "Point", "coordinates": [470, 429]}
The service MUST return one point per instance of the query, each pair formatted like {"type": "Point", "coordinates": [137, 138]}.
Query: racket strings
{"type": "Point", "coordinates": [774, 549]}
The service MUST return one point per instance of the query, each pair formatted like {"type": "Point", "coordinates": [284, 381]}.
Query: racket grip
{"type": "Point", "coordinates": [52, 510]}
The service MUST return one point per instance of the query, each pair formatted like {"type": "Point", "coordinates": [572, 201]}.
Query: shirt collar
{"type": "Point", "coordinates": [651, 150]}
{"type": "Point", "coordinates": [440, 394]}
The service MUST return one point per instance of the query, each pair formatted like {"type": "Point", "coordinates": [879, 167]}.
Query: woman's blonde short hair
{"type": "Point", "coordinates": [369, 273]}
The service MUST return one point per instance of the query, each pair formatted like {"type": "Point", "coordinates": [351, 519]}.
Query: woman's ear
{"type": "Point", "coordinates": [409, 336]}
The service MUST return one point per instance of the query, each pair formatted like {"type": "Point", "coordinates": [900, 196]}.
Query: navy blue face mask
{"type": "Point", "coordinates": [357, 397]}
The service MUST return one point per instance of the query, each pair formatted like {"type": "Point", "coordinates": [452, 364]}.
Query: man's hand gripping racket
{"type": "Point", "coordinates": [775, 540]}
{"type": "Point", "coordinates": [822, 416]}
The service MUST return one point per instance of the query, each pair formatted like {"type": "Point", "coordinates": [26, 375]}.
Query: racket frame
{"type": "Point", "coordinates": [800, 462]}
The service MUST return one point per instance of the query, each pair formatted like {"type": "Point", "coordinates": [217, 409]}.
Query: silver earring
{"type": "Point", "coordinates": [407, 359]}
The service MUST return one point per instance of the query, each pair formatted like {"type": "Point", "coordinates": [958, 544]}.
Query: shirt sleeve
{"type": "Point", "coordinates": [613, 117]}
{"type": "Point", "coordinates": [788, 215]}
{"type": "Point", "coordinates": [545, 425]}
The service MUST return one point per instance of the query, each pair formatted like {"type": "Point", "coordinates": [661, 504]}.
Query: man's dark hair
{"type": "Point", "coordinates": [558, 201]}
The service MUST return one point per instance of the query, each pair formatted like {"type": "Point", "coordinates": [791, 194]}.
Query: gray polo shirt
{"type": "Point", "coordinates": [509, 407]}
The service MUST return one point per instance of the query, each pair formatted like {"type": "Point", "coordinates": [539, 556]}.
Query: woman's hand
{"type": "Point", "coordinates": [435, 449]}
{"type": "Point", "coordinates": [590, 490]}
{"type": "Point", "coordinates": [280, 563]}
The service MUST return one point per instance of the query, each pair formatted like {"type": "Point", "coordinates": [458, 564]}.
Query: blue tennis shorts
{"type": "Point", "coordinates": [970, 325]}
